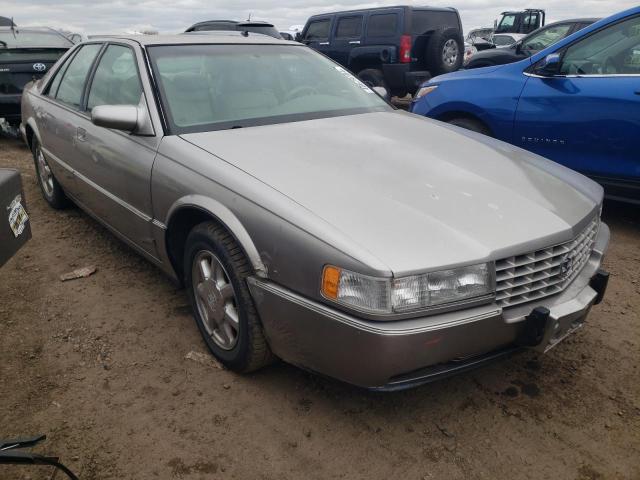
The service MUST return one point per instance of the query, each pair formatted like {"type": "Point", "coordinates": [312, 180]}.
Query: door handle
{"type": "Point", "coordinates": [81, 133]}
{"type": "Point", "coordinates": [637, 92]}
{"type": "Point", "coordinates": [323, 43]}
{"type": "Point", "coordinates": [354, 42]}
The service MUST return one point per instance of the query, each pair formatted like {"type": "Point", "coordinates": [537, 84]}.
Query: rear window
{"type": "Point", "coordinates": [349, 27]}
{"type": "Point", "coordinates": [25, 39]}
{"type": "Point", "coordinates": [424, 21]}
{"type": "Point", "coordinates": [318, 29]}
{"type": "Point", "coordinates": [382, 25]}
{"type": "Point", "coordinates": [31, 55]}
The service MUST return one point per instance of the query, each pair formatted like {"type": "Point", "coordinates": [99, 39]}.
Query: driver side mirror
{"type": "Point", "coordinates": [118, 117]}
{"type": "Point", "coordinates": [548, 66]}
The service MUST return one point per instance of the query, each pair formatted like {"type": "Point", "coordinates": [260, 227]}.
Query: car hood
{"type": "Point", "coordinates": [417, 194]}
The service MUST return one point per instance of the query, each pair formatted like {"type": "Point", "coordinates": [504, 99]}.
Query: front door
{"type": "Point", "coordinates": [587, 117]}
{"type": "Point", "coordinates": [114, 167]}
{"type": "Point", "coordinates": [317, 34]}
{"type": "Point", "coordinates": [347, 37]}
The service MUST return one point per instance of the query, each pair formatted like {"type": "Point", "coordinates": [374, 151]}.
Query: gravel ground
{"type": "Point", "coordinates": [98, 364]}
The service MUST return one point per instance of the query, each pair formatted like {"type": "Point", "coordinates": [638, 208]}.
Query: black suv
{"type": "Point", "coordinates": [393, 47]}
{"type": "Point", "coordinates": [25, 54]}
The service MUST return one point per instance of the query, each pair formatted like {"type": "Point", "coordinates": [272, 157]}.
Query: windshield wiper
{"type": "Point", "coordinates": [3, 43]}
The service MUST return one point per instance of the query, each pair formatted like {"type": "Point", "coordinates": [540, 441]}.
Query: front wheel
{"type": "Point", "coordinates": [216, 272]}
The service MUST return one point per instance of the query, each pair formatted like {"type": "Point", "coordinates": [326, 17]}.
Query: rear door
{"type": "Point", "coordinates": [384, 28]}
{"type": "Point", "coordinates": [347, 35]}
{"type": "Point", "coordinates": [588, 116]}
{"type": "Point", "coordinates": [114, 167]}
{"type": "Point", "coordinates": [60, 111]}
{"type": "Point", "coordinates": [317, 34]}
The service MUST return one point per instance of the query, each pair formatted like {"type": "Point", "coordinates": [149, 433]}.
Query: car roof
{"type": "Point", "coordinates": [390, 7]}
{"type": "Point", "coordinates": [208, 38]}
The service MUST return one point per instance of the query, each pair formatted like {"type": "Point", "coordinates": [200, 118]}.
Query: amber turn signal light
{"type": "Point", "coordinates": [330, 282]}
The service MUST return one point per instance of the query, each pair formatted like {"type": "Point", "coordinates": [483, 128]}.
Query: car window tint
{"type": "Point", "coordinates": [53, 86]}
{"type": "Point", "coordinates": [116, 81]}
{"type": "Point", "coordinates": [614, 50]}
{"type": "Point", "coordinates": [425, 21]}
{"type": "Point", "coordinates": [545, 38]}
{"type": "Point", "coordinates": [73, 81]}
{"type": "Point", "coordinates": [382, 25]}
{"type": "Point", "coordinates": [318, 30]}
{"type": "Point", "coordinates": [349, 27]}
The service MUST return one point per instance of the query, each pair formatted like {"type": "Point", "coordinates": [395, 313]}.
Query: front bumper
{"type": "Point", "coordinates": [403, 353]}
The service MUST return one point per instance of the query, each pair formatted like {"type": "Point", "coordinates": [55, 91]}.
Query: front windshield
{"type": "Point", "coordinates": [506, 23]}
{"type": "Point", "coordinates": [214, 87]}
{"type": "Point", "coordinates": [503, 40]}
{"type": "Point", "coordinates": [545, 38]}
{"type": "Point", "coordinates": [27, 39]}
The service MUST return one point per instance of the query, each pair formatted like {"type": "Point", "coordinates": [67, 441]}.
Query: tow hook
{"type": "Point", "coordinates": [599, 283]}
{"type": "Point", "coordinates": [534, 329]}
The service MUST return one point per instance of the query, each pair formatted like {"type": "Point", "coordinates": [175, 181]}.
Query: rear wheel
{"type": "Point", "coordinates": [216, 271]}
{"type": "Point", "coordinates": [471, 124]}
{"type": "Point", "coordinates": [372, 77]}
{"type": "Point", "coordinates": [51, 189]}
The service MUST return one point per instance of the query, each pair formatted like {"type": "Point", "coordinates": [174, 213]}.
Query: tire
{"type": "Point", "coordinates": [51, 190]}
{"type": "Point", "coordinates": [372, 77]}
{"type": "Point", "coordinates": [219, 312]}
{"type": "Point", "coordinates": [471, 124]}
{"type": "Point", "coordinates": [445, 51]}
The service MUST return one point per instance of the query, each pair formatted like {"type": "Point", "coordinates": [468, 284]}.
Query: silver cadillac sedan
{"type": "Point", "coordinates": [308, 219]}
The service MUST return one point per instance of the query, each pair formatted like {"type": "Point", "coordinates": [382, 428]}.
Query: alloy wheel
{"type": "Point", "coordinates": [44, 172]}
{"type": "Point", "coordinates": [450, 52]}
{"type": "Point", "coordinates": [215, 299]}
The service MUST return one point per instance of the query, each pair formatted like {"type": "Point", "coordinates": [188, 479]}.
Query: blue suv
{"type": "Point", "coordinates": [576, 102]}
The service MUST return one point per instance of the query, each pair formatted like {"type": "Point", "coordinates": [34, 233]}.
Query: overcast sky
{"type": "Point", "coordinates": [119, 16]}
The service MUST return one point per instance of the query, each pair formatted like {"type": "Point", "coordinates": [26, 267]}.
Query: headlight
{"type": "Point", "coordinates": [400, 295]}
{"type": "Point", "coordinates": [424, 91]}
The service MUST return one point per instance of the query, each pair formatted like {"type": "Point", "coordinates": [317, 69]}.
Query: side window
{"type": "Point", "coordinates": [318, 30]}
{"type": "Point", "coordinates": [116, 81]}
{"type": "Point", "coordinates": [543, 39]}
{"type": "Point", "coordinates": [53, 86]}
{"type": "Point", "coordinates": [382, 25]}
{"type": "Point", "coordinates": [349, 27]}
{"type": "Point", "coordinates": [614, 50]}
{"type": "Point", "coordinates": [73, 81]}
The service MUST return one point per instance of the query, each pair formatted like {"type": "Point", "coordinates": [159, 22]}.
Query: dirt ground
{"type": "Point", "coordinates": [98, 364]}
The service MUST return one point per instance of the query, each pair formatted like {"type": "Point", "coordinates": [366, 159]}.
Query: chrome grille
{"type": "Point", "coordinates": [534, 275]}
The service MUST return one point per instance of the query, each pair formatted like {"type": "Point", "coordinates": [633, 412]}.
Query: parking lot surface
{"type": "Point", "coordinates": [103, 366]}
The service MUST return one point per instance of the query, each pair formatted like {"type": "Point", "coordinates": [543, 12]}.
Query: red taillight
{"type": "Point", "coordinates": [405, 49]}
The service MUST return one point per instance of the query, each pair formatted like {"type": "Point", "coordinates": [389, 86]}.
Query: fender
{"type": "Point", "coordinates": [31, 123]}
{"type": "Point", "coordinates": [227, 218]}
